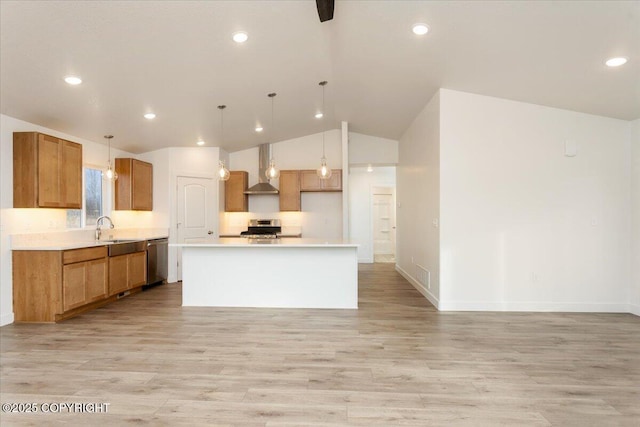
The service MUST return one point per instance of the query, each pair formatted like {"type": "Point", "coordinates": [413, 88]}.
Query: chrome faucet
{"type": "Point", "coordinates": [98, 223]}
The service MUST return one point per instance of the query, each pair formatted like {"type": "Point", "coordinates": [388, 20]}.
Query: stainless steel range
{"type": "Point", "coordinates": [263, 229]}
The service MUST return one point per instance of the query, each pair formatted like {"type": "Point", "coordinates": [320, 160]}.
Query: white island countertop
{"type": "Point", "coordinates": [276, 273]}
{"type": "Point", "coordinates": [272, 243]}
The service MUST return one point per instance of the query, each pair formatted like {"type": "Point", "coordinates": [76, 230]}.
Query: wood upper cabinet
{"type": "Point", "coordinates": [234, 198]}
{"type": "Point", "coordinates": [134, 186]}
{"type": "Point", "coordinates": [127, 272]}
{"type": "Point", "coordinates": [47, 172]}
{"type": "Point", "coordinates": [289, 191]}
{"type": "Point", "coordinates": [309, 181]}
{"type": "Point", "coordinates": [51, 285]}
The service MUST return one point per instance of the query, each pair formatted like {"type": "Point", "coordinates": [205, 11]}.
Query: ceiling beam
{"type": "Point", "coordinates": [325, 9]}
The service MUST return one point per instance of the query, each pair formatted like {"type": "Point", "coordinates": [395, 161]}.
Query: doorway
{"type": "Point", "coordinates": [384, 224]}
{"type": "Point", "coordinates": [195, 216]}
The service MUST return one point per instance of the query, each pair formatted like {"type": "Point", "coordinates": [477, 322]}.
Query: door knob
{"type": "Point", "coordinates": [209, 232]}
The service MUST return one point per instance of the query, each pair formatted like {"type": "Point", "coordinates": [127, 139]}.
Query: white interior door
{"type": "Point", "coordinates": [195, 212]}
{"type": "Point", "coordinates": [384, 223]}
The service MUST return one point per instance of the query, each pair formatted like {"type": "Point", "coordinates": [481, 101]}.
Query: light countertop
{"type": "Point", "coordinates": [272, 243]}
{"type": "Point", "coordinates": [51, 245]}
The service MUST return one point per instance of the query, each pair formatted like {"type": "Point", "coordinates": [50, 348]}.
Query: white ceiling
{"type": "Point", "coordinates": [177, 59]}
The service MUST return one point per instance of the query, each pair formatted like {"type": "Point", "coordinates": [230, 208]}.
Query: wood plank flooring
{"type": "Point", "coordinates": [395, 361]}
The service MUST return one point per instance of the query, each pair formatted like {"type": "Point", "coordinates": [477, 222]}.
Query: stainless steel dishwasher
{"type": "Point", "coordinates": [157, 260]}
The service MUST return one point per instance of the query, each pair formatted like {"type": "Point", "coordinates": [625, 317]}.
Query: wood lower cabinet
{"type": "Point", "coordinates": [127, 272]}
{"type": "Point", "coordinates": [289, 191]}
{"type": "Point", "coordinates": [52, 285]}
{"type": "Point", "coordinates": [134, 186]}
{"type": "Point", "coordinates": [47, 172]}
{"type": "Point", "coordinates": [83, 283]}
{"type": "Point", "coordinates": [309, 181]}
{"type": "Point", "coordinates": [118, 274]}
{"type": "Point", "coordinates": [234, 198]}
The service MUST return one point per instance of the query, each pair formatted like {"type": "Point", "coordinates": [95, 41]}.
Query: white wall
{"type": "Point", "coordinates": [365, 149]}
{"type": "Point", "coordinates": [18, 221]}
{"type": "Point", "coordinates": [635, 218]}
{"type": "Point", "coordinates": [321, 215]}
{"type": "Point", "coordinates": [522, 226]}
{"type": "Point", "coordinates": [418, 202]}
{"type": "Point", "coordinates": [360, 187]}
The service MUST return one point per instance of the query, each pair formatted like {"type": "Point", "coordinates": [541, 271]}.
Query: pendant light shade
{"type": "Point", "coordinates": [223, 172]}
{"type": "Point", "coordinates": [110, 174]}
{"type": "Point", "coordinates": [324, 172]}
{"type": "Point", "coordinates": [272, 171]}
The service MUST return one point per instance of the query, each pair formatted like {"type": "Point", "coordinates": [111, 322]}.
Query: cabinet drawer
{"type": "Point", "coordinates": [84, 254]}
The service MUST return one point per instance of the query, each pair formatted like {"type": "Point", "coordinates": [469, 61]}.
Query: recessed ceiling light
{"type": "Point", "coordinates": [73, 80]}
{"type": "Point", "coordinates": [420, 29]}
{"type": "Point", "coordinates": [240, 37]}
{"type": "Point", "coordinates": [259, 129]}
{"type": "Point", "coordinates": [149, 116]}
{"type": "Point", "coordinates": [616, 62]}
{"type": "Point", "coordinates": [201, 142]}
{"type": "Point", "coordinates": [319, 115]}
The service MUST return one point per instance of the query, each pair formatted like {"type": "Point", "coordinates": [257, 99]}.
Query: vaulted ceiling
{"type": "Point", "coordinates": [178, 60]}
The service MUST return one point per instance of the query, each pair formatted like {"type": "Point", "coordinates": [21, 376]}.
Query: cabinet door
{"type": "Point", "coordinates": [96, 284]}
{"type": "Point", "coordinates": [142, 192]}
{"type": "Point", "coordinates": [118, 277]}
{"type": "Point", "coordinates": [49, 162]}
{"type": "Point", "coordinates": [71, 175]}
{"type": "Point", "coordinates": [137, 269]}
{"type": "Point", "coordinates": [123, 186]}
{"type": "Point", "coordinates": [309, 181]}
{"type": "Point", "coordinates": [234, 198]}
{"type": "Point", "coordinates": [73, 286]}
{"type": "Point", "coordinates": [334, 183]}
{"type": "Point", "coordinates": [289, 191]}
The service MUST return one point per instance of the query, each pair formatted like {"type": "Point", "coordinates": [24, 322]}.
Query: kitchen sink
{"type": "Point", "coordinates": [123, 247]}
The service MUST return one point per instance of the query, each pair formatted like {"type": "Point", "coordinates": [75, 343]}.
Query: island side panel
{"type": "Point", "coordinates": [291, 277]}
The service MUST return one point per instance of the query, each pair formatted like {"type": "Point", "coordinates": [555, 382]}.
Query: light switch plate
{"type": "Point", "coordinates": [570, 148]}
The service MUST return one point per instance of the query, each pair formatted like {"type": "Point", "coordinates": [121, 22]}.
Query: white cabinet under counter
{"type": "Point", "coordinates": [279, 273]}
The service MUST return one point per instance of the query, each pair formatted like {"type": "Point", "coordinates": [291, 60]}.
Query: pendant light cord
{"type": "Point", "coordinates": [271, 132]}
{"type": "Point", "coordinates": [221, 108]}
{"type": "Point", "coordinates": [108, 137]}
{"type": "Point", "coordinates": [324, 115]}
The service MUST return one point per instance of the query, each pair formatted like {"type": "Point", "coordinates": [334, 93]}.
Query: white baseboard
{"type": "Point", "coordinates": [365, 260]}
{"type": "Point", "coordinates": [557, 307]}
{"type": "Point", "coordinates": [538, 306]}
{"type": "Point", "coordinates": [424, 291]}
{"type": "Point", "coordinates": [6, 319]}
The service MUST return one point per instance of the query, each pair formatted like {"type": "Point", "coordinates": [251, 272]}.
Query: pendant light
{"type": "Point", "coordinates": [223, 172]}
{"type": "Point", "coordinates": [324, 171]}
{"type": "Point", "coordinates": [272, 171]}
{"type": "Point", "coordinates": [109, 174]}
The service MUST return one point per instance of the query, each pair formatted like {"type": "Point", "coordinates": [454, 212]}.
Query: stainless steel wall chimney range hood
{"type": "Point", "coordinates": [263, 186]}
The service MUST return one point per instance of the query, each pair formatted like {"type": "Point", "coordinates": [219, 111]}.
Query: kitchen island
{"type": "Point", "coordinates": [292, 273]}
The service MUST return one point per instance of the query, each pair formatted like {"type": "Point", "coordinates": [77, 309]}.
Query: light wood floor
{"type": "Point", "coordinates": [395, 361]}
